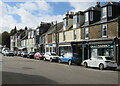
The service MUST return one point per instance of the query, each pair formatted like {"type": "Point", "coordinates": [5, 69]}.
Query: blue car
{"type": "Point", "coordinates": [69, 58]}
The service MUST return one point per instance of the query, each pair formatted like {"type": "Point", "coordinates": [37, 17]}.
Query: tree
{"type": "Point", "coordinates": [6, 39]}
{"type": "Point", "coordinates": [13, 31]}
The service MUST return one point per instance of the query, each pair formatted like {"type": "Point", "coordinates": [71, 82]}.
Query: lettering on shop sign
{"type": "Point", "coordinates": [104, 46]}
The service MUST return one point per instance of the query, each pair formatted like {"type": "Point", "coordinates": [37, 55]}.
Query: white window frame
{"type": "Point", "coordinates": [104, 11]}
{"type": "Point", "coordinates": [109, 11]}
{"type": "Point", "coordinates": [86, 32]}
{"type": "Point", "coordinates": [91, 15]}
{"type": "Point", "coordinates": [86, 17]}
{"type": "Point", "coordinates": [103, 30]}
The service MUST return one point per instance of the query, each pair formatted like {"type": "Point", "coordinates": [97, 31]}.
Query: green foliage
{"type": "Point", "coordinates": [6, 39]}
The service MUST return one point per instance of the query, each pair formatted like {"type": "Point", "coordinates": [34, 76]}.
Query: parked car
{"type": "Point", "coordinates": [39, 56]}
{"type": "Point", "coordinates": [19, 53]}
{"type": "Point", "coordinates": [50, 56]}
{"type": "Point", "coordinates": [8, 53]}
{"type": "Point", "coordinates": [24, 54]}
{"type": "Point", "coordinates": [100, 62]}
{"type": "Point", "coordinates": [4, 49]}
{"type": "Point", "coordinates": [30, 54]}
{"type": "Point", "coordinates": [70, 58]}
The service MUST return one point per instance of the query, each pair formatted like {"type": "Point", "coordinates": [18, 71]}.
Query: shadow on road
{"type": "Point", "coordinates": [18, 78]}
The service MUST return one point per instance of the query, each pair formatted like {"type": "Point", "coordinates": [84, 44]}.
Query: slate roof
{"type": "Point", "coordinates": [111, 3]}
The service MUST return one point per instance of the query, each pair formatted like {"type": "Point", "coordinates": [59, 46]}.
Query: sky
{"type": "Point", "coordinates": [31, 13]}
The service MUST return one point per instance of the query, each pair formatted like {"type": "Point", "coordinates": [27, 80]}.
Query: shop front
{"type": "Point", "coordinates": [50, 48]}
{"type": "Point", "coordinates": [81, 49]}
{"type": "Point", "coordinates": [65, 48]}
{"type": "Point", "coordinates": [103, 48]}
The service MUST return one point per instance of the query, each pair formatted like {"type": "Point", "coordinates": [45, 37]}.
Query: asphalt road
{"type": "Point", "coordinates": [18, 70]}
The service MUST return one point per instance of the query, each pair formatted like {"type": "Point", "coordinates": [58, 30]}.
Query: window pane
{"type": "Point", "coordinates": [91, 15]}
{"type": "Point", "coordinates": [74, 20]}
{"type": "Point", "coordinates": [109, 11]}
{"type": "Point", "coordinates": [104, 30]}
{"type": "Point", "coordinates": [104, 12]}
{"type": "Point", "coordinates": [86, 16]}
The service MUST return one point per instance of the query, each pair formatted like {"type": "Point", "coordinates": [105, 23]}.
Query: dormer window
{"type": "Point", "coordinates": [109, 11]}
{"type": "Point", "coordinates": [86, 16]}
{"type": "Point", "coordinates": [104, 12]}
{"type": "Point", "coordinates": [91, 15]}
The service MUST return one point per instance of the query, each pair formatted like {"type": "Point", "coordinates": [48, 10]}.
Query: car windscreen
{"type": "Point", "coordinates": [53, 54]}
{"type": "Point", "coordinates": [108, 58]}
{"type": "Point", "coordinates": [32, 53]}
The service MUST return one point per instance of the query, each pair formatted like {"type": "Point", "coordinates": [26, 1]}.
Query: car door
{"type": "Point", "coordinates": [91, 62]}
{"type": "Point", "coordinates": [98, 61]}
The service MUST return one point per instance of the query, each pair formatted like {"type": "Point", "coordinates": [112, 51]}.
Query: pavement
{"type": "Point", "coordinates": [18, 70]}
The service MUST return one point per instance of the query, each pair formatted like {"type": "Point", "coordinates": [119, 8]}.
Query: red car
{"type": "Point", "coordinates": [19, 53]}
{"type": "Point", "coordinates": [38, 56]}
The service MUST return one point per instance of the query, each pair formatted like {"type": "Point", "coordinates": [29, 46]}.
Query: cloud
{"type": "Point", "coordinates": [81, 6]}
{"type": "Point", "coordinates": [30, 13]}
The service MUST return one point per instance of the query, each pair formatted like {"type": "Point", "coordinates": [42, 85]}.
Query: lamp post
{"type": "Point", "coordinates": [57, 40]}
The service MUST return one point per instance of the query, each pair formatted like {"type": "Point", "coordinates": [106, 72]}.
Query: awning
{"type": "Point", "coordinates": [64, 44]}
{"type": "Point", "coordinates": [21, 48]}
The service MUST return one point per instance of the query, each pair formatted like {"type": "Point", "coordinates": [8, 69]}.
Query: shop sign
{"type": "Point", "coordinates": [102, 46]}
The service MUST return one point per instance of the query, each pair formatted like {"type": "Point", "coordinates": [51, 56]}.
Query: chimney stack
{"type": "Point", "coordinates": [97, 4]}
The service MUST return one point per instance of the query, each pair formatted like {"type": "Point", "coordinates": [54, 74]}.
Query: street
{"type": "Point", "coordinates": [19, 70]}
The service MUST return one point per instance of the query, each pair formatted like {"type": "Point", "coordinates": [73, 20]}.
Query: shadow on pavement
{"type": "Point", "coordinates": [18, 78]}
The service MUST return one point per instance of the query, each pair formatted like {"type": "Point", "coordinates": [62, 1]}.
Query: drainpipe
{"type": "Point", "coordinates": [115, 49]}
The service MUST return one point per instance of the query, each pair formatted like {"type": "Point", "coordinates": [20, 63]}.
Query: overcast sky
{"type": "Point", "coordinates": [28, 13]}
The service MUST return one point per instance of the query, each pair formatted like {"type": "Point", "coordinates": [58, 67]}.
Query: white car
{"type": "Point", "coordinates": [4, 49]}
{"type": "Point", "coordinates": [51, 57]}
{"type": "Point", "coordinates": [101, 62]}
{"type": "Point", "coordinates": [8, 53]}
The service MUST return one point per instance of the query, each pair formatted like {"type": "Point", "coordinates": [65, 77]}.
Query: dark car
{"type": "Point", "coordinates": [24, 54]}
{"type": "Point", "coordinates": [31, 55]}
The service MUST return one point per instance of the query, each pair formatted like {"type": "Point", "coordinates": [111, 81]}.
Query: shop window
{"type": "Point", "coordinates": [54, 49]}
{"type": "Point", "coordinates": [104, 30]}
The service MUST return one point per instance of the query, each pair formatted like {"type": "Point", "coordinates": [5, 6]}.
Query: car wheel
{"type": "Point", "coordinates": [59, 61]}
{"type": "Point", "coordinates": [85, 64]}
{"type": "Point", "coordinates": [114, 68]}
{"type": "Point", "coordinates": [101, 66]}
{"type": "Point", "coordinates": [70, 62]}
{"type": "Point", "coordinates": [51, 60]}
{"type": "Point", "coordinates": [44, 59]}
